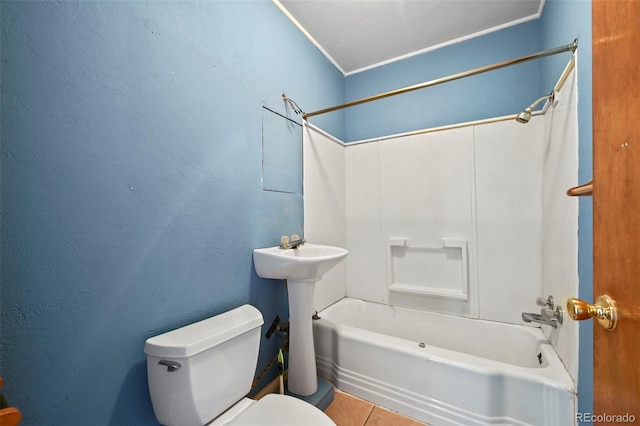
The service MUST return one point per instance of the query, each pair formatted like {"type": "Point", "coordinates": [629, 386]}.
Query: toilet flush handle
{"type": "Point", "coordinates": [171, 365]}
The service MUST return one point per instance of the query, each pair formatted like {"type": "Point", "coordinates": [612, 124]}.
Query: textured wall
{"type": "Point", "coordinates": [131, 187]}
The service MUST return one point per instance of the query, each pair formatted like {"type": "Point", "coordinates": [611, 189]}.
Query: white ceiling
{"type": "Point", "coordinates": [361, 34]}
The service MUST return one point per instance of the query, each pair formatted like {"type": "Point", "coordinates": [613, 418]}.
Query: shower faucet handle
{"type": "Point", "coordinates": [549, 302]}
{"type": "Point", "coordinates": [547, 313]}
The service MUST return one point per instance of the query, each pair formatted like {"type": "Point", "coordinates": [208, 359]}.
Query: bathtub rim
{"type": "Point", "coordinates": [553, 373]}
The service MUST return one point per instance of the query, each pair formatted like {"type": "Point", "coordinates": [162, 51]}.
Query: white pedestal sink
{"type": "Point", "coordinates": [301, 267]}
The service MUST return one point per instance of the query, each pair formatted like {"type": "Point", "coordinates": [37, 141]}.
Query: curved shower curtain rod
{"type": "Point", "coordinates": [571, 47]}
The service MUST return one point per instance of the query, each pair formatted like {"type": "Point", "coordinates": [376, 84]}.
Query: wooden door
{"type": "Point", "coordinates": [616, 204]}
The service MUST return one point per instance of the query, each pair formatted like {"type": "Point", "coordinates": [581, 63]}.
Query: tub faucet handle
{"type": "Point", "coordinates": [549, 302]}
{"type": "Point", "coordinates": [547, 313]}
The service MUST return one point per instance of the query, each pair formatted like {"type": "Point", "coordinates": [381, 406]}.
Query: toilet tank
{"type": "Point", "coordinates": [198, 371]}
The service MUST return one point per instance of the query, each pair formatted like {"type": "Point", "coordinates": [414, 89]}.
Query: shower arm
{"type": "Point", "coordinates": [542, 98]}
{"type": "Point", "coordinates": [571, 47]}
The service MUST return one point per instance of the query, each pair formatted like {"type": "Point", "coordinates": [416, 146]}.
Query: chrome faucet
{"type": "Point", "coordinates": [294, 243]}
{"type": "Point", "coordinates": [549, 313]}
{"type": "Point", "coordinates": [540, 319]}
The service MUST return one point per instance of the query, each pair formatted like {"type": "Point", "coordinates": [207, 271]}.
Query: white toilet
{"type": "Point", "coordinates": [201, 373]}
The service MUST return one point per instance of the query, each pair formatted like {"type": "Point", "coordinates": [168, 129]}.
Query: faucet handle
{"type": "Point", "coordinates": [541, 301]}
{"type": "Point", "coordinates": [295, 237]}
{"type": "Point", "coordinates": [550, 314]}
{"type": "Point", "coordinates": [547, 313]}
{"type": "Point", "coordinates": [284, 241]}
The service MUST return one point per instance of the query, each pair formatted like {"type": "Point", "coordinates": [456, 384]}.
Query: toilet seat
{"type": "Point", "coordinates": [281, 410]}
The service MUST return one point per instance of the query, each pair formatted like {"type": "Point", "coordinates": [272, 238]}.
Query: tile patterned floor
{"type": "Point", "coordinates": [347, 410]}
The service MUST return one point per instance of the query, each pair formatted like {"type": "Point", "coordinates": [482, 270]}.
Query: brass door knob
{"type": "Point", "coordinates": [604, 310]}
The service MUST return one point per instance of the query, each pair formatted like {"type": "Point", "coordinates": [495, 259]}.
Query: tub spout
{"type": "Point", "coordinates": [550, 314]}
{"type": "Point", "coordinates": [540, 319]}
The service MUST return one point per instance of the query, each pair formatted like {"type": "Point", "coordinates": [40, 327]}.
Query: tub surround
{"type": "Point", "coordinates": [498, 187]}
{"type": "Point", "coordinates": [324, 207]}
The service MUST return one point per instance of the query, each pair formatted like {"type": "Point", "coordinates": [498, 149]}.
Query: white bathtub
{"type": "Point", "coordinates": [469, 372]}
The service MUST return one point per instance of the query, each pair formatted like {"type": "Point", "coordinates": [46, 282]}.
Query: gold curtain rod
{"type": "Point", "coordinates": [571, 47]}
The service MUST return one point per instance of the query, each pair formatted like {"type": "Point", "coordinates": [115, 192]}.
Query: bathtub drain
{"type": "Point", "coordinates": [421, 344]}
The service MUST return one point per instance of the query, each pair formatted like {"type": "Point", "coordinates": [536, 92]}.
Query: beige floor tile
{"type": "Point", "coordinates": [347, 410]}
{"type": "Point", "coordinates": [381, 417]}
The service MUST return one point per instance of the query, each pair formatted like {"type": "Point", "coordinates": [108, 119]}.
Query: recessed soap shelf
{"type": "Point", "coordinates": [437, 268]}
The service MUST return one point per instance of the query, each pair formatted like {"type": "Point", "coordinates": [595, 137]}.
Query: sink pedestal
{"type": "Point", "coordinates": [302, 376]}
{"type": "Point", "coordinates": [302, 267]}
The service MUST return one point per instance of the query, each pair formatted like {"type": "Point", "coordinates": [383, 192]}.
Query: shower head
{"type": "Point", "coordinates": [525, 115]}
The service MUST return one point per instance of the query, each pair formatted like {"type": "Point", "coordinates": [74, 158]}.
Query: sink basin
{"type": "Point", "coordinates": [301, 267]}
{"type": "Point", "coordinates": [308, 262]}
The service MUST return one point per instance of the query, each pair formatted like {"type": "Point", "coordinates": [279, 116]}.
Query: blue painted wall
{"type": "Point", "coordinates": [496, 93]}
{"type": "Point", "coordinates": [563, 21]}
{"type": "Point", "coordinates": [131, 187]}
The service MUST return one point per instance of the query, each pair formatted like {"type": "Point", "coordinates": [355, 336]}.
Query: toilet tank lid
{"type": "Point", "coordinates": [197, 337]}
